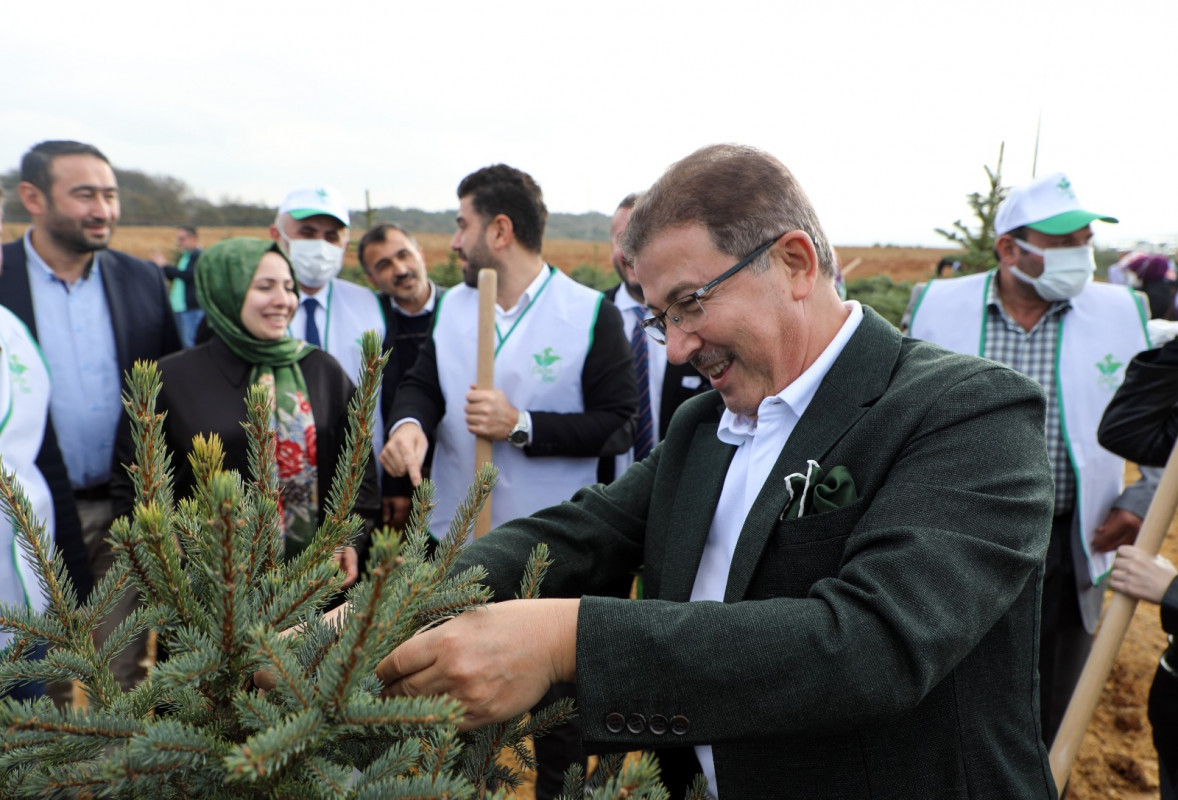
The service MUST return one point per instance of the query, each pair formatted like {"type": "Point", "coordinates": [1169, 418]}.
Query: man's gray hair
{"type": "Point", "coordinates": [743, 196]}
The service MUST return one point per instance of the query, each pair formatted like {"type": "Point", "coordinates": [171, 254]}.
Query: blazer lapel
{"type": "Point", "coordinates": [15, 292]}
{"type": "Point", "coordinates": [694, 506]}
{"type": "Point", "coordinates": [856, 379]}
{"type": "Point", "coordinates": [112, 285]}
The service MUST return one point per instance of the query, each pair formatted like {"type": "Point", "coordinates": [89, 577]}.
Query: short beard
{"type": "Point", "coordinates": [69, 235]}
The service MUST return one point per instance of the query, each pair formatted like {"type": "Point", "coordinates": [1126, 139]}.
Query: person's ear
{"type": "Point", "coordinates": [796, 250]}
{"type": "Point", "coordinates": [1007, 249]}
{"type": "Point", "coordinates": [500, 232]}
{"type": "Point", "coordinates": [32, 198]}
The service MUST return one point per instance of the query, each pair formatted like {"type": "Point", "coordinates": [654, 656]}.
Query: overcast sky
{"type": "Point", "coordinates": [886, 111]}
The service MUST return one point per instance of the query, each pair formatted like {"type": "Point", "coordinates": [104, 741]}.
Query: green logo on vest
{"type": "Point", "coordinates": [545, 367]}
{"type": "Point", "coordinates": [18, 371]}
{"type": "Point", "coordinates": [1108, 368]}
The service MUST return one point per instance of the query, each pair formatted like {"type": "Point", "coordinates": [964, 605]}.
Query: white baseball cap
{"type": "Point", "coordinates": [1047, 205]}
{"type": "Point", "coordinates": [303, 203]}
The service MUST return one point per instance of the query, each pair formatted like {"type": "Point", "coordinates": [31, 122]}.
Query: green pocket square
{"type": "Point", "coordinates": [818, 491]}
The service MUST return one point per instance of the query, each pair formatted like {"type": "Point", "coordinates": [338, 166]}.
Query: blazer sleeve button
{"type": "Point", "coordinates": [636, 723]}
{"type": "Point", "coordinates": [658, 724]}
{"type": "Point", "coordinates": [680, 725]}
{"type": "Point", "coordinates": [615, 722]}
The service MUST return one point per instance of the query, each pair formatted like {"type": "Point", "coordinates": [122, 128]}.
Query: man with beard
{"type": "Point", "coordinates": [311, 228]}
{"type": "Point", "coordinates": [394, 264]}
{"type": "Point", "coordinates": [94, 312]}
{"type": "Point", "coordinates": [564, 384]}
{"type": "Point", "coordinates": [662, 387]}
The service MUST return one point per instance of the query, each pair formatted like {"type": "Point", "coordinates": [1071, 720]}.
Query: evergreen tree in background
{"type": "Point", "coordinates": [979, 245]}
{"type": "Point", "coordinates": [217, 592]}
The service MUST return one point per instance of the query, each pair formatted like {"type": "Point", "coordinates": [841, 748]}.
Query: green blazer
{"type": "Point", "coordinates": [885, 649]}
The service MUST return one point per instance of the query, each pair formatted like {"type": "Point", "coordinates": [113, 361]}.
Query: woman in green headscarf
{"type": "Point", "coordinates": [248, 293]}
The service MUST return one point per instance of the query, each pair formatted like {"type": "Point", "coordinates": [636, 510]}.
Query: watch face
{"type": "Point", "coordinates": [517, 437]}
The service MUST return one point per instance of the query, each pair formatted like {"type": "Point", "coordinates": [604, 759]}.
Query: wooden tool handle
{"type": "Point", "coordinates": [1113, 628]}
{"type": "Point", "coordinates": [488, 288]}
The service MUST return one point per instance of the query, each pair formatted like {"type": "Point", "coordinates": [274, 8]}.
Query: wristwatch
{"type": "Point", "coordinates": [519, 434]}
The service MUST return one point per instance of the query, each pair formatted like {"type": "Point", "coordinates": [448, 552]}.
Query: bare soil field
{"type": "Point", "coordinates": [1116, 760]}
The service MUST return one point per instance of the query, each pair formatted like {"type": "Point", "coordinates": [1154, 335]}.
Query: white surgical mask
{"type": "Point", "coordinates": [314, 261]}
{"type": "Point", "coordinates": [1066, 270]}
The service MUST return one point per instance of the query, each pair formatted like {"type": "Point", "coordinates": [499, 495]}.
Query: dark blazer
{"type": "Point", "coordinates": [188, 277]}
{"type": "Point", "coordinates": [144, 328]}
{"type": "Point", "coordinates": [681, 382]}
{"type": "Point", "coordinates": [203, 391]}
{"type": "Point", "coordinates": [405, 336]}
{"type": "Point", "coordinates": [885, 649]}
{"type": "Point", "coordinates": [607, 383]}
{"type": "Point", "coordinates": [140, 312]}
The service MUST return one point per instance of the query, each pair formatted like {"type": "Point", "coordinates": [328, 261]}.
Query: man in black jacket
{"type": "Point", "coordinates": [393, 262]}
{"type": "Point", "coordinates": [564, 385]}
{"type": "Point", "coordinates": [94, 312]}
{"type": "Point", "coordinates": [183, 289]}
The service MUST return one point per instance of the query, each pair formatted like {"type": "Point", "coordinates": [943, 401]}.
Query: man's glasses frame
{"type": "Point", "coordinates": [688, 313]}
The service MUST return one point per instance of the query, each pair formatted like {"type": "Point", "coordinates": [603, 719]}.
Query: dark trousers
{"type": "Point", "coordinates": [557, 749]}
{"type": "Point", "coordinates": [1163, 716]}
{"type": "Point", "coordinates": [1064, 642]}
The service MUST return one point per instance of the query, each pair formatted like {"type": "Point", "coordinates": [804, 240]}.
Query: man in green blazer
{"type": "Point", "coordinates": [843, 545]}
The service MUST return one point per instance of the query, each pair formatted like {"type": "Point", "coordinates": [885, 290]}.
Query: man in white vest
{"type": "Point", "coordinates": [1041, 314]}
{"type": "Point", "coordinates": [312, 228]}
{"type": "Point", "coordinates": [564, 384]}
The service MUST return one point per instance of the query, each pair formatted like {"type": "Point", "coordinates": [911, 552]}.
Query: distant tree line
{"type": "Point", "coordinates": [164, 200]}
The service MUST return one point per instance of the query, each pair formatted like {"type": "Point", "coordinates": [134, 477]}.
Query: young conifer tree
{"type": "Point", "coordinates": [978, 245]}
{"type": "Point", "coordinates": [224, 605]}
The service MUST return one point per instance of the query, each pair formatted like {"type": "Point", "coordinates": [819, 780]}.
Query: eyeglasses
{"type": "Point", "coordinates": [687, 313]}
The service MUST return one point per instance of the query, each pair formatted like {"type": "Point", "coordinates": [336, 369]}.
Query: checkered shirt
{"type": "Point", "coordinates": [1033, 354]}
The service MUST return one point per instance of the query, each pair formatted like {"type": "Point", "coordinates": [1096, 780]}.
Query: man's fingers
{"type": "Point", "coordinates": [411, 657]}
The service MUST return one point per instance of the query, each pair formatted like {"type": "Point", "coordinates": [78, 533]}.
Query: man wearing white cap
{"type": "Point", "coordinates": [312, 229]}
{"type": "Point", "coordinates": [1041, 314]}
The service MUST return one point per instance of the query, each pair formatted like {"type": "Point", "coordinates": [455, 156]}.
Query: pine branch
{"type": "Point", "coordinates": [35, 542]}
{"type": "Point", "coordinates": [534, 572]}
{"type": "Point", "coordinates": [268, 752]}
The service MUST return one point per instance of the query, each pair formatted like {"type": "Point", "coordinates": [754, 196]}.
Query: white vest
{"type": "Point", "coordinates": [349, 310]}
{"type": "Point", "coordinates": [1098, 337]}
{"type": "Point", "coordinates": [24, 406]}
{"type": "Point", "coordinates": [538, 365]}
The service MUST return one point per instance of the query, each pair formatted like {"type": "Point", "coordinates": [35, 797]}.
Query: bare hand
{"type": "Point", "coordinates": [349, 564]}
{"type": "Point", "coordinates": [404, 452]}
{"type": "Point", "coordinates": [1120, 527]}
{"type": "Point", "coordinates": [497, 661]}
{"type": "Point", "coordinates": [395, 511]}
{"type": "Point", "coordinates": [1137, 575]}
{"type": "Point", "coordinates": [489, 414]}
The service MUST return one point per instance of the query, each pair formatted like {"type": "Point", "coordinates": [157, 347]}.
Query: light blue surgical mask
{"type": "Point", "coordinates": [1066, 270]}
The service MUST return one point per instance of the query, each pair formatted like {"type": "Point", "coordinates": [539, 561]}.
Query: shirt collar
{"type": "Point", "coordinates": [34, 258]}
{"type": "Point", "coordinates": [532, 290]}
{"type": "Point", "coordinates": [624, 301]}
{"type": "Point", "coordinates": [428, 308]}
{"type": "Point", "coordinates": [736, 428]}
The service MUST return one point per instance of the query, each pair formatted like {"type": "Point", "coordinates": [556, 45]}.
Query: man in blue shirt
{"type": "Point", "coordinates": [94, 312]}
